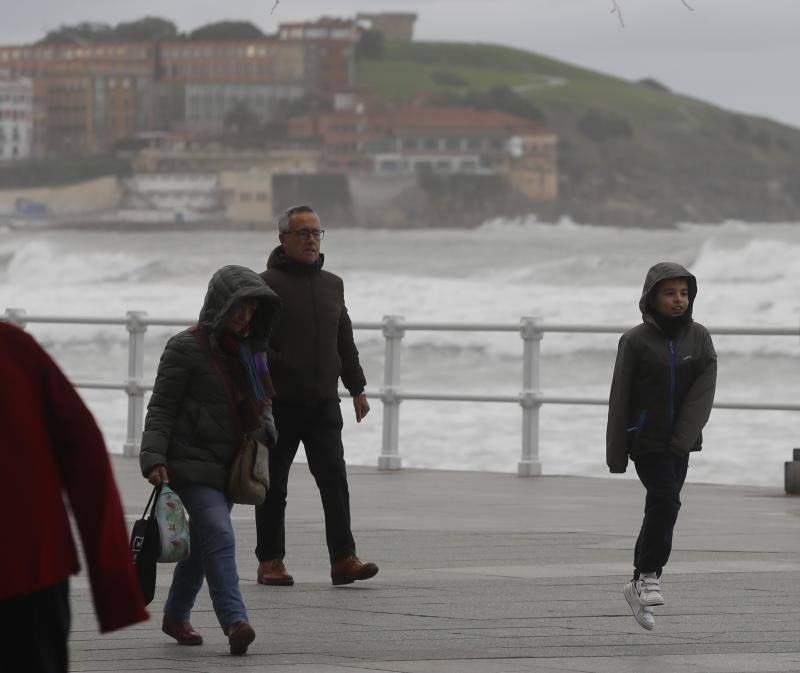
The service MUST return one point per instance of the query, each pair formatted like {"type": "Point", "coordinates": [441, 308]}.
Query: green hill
{"type": "Point", "coordinates": [629, 153]}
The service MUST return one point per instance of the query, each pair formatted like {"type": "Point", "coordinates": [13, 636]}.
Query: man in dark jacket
{"type": "Point", "coordinates": [310, 347]}
{"type": "Point", "coordinates": [661, 398]}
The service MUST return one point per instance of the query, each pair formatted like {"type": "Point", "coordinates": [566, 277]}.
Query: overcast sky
{"type": "Point", "coordinates": [735, 53]}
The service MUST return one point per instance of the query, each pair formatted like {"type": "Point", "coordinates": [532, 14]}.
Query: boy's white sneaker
{"type": "Point", "coordinates": [650, 590]}
{"type": "Point", "coordinates": [643, 614]}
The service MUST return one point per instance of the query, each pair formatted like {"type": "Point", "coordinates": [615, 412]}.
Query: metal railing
{"type": "Point", "coordinates": [393, 328]}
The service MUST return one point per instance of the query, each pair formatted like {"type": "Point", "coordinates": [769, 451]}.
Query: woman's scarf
{"type": "Point", "coordinates": [255, 366]}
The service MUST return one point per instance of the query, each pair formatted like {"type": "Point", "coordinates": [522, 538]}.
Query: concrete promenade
{"type": "Point", "coordinates": [490, 573]}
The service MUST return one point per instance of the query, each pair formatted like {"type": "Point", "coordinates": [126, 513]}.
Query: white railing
{"type": "Point", "coordinates": [394, 327]}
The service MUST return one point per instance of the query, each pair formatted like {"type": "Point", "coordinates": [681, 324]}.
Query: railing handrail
{"type": "Point", "coordinates": [412, 395]}
{"type": "Point", "coordinates": [416, 326]}
{"type": "Point", "coordinates": [393, 328]}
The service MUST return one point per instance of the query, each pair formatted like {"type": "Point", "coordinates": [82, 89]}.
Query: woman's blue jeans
{"type": "Point", "coordinates": [213, 556]}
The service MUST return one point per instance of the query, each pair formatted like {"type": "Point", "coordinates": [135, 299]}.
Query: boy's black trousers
{"type": "Point", "coordinates": [662, 474]}
{"type": "Point", "coordinates": [319, 427]}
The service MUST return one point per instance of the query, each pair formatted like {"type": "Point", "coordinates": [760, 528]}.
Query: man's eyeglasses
{"type": "Point", "coordinates": [318, 234]}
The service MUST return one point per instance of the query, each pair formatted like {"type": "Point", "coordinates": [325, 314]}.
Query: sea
{"type": "Point", "coordinates": [748, 275]}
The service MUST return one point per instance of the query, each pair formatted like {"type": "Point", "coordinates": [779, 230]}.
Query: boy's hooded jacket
{"type": "Point", "coordinates": [662, 390]}
{"type": "Point", "coordinates": [189, 426]}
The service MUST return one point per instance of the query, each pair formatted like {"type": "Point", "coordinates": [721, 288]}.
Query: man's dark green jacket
{"type": "Point", "coordinates": [662, 389]}
{"type": "Point", "coordinates": [311, 344]}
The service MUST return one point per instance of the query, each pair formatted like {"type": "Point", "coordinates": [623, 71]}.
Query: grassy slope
{"type": "Point", "coordinates": [686, 159]}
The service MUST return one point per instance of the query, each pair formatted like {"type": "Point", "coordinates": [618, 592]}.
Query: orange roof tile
{"type": "Point", "coordinates": [455, 118]}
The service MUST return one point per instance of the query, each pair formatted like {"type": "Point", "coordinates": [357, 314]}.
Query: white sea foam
{"type": "Point", "coordinates": [564, 273]}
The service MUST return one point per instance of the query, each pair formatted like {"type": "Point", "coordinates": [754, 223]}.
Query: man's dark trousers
{"type": "Point", "coordinates": [662, 474]}
{"type": "Point", "coordinates": [319, 427]}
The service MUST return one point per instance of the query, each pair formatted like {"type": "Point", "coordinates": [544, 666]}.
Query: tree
{"type": "Point", "coordinates": [80, 33]}
{"type": "Point", "coordinates": [148, 29]}
{"type": "Point", "coordinates": [502, 98]}
{"type": "Point", "coordinates": [603, 125]}
{"type": "Point", "coordinates": [227, 30]}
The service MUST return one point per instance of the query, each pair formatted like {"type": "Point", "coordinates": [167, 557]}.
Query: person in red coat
{"type": "Point", "coordinates": [50, 446]}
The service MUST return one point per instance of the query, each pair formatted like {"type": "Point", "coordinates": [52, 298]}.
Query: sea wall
{"type": "Point", "coordinates": [85, 197]}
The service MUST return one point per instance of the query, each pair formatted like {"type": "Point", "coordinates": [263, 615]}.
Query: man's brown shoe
{"type": "Point", "coordinates": [240, 635]}
{"type": "Point", "coordinates": [350, 569]}
{"type": "Point", "coordinates": [183, 632]}
{"type": "Point", "coordinates": [273, 573]}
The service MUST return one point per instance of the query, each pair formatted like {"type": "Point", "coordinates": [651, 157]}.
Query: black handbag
{"type": "Point", "coordinates": [146, 547]}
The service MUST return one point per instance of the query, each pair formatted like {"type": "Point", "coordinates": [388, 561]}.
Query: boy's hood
{"type": "Point", "coordinates": [662, 271]}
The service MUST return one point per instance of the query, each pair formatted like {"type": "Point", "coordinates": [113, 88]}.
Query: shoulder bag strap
{"type": "Point", "coordinates": [201, 339]}
{"type": "Point", "coordinates": [153, 494]}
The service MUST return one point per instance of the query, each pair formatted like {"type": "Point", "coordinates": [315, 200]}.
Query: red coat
{"type": "Point", "coordinates": [49, 446]}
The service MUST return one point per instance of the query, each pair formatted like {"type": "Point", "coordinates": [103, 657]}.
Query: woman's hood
{"type": "Point", "coordinates": [231, 284]}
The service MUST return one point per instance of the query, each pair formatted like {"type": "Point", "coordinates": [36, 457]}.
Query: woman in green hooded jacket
{"type": "Point", "coordinates": [212, 387]}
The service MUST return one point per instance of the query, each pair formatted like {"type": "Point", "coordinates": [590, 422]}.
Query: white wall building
{"type": "Point", "coordinates": [16, 117]}
{"type": "Point", "coordinates": [173, 193]}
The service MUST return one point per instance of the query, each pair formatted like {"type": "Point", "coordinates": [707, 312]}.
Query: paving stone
{"type": "Point", "coordinates": [490, 573]}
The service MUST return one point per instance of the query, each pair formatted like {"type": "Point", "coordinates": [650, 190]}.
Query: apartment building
{"type": "Point", "coordinates": [201, 82]}
{"type": "Point", "coordinates": [16, 117]}
{"type": "Point", "coordinates": [86, 96]}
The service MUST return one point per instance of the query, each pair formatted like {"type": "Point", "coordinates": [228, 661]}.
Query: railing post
{"type": "Point", "coordinates": [393, 332]}
{"type": "Point", "coordinates": [133, 384]}
{"type": "Point", "coordinates": [530, 330]}
{"type": "Point", "coordinates": [16, 317]}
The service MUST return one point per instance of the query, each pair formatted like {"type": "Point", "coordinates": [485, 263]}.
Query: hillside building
{"type": "Point", "coordinates": [392, 25]}
{"type": "Point", "coordinates": [401, 141]}
{"type": "Point", "coordinates": [328, 54]}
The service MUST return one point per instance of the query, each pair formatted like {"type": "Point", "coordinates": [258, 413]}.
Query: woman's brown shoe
{"type": "Point", "coordinates": [240, 635]}
{"type": "Point", "coordinates": [183, 632]}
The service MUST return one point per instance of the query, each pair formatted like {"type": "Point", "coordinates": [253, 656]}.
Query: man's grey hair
{"type": "Point", "coordinates": [285, 219]}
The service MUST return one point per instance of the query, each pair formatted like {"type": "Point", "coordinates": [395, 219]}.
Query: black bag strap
{"type": "Point", "coordinates": [201, 339]}
{"type": "Point", "coordinates": [152, 500]}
